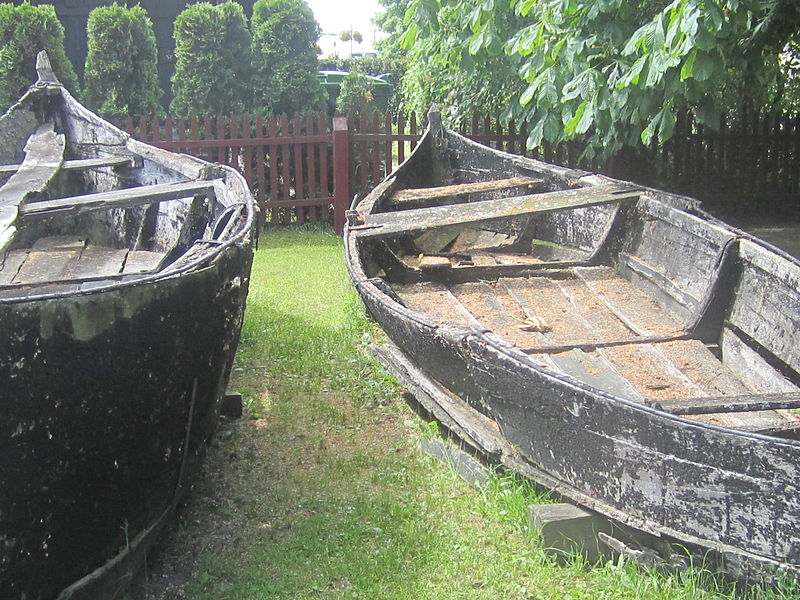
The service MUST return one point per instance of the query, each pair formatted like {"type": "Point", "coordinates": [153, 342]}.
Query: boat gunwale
{"type": "Point", "coordinates": [215, 248]}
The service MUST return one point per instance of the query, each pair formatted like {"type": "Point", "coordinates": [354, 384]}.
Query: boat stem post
{"type": "Point", "coordinates": [342, 160]}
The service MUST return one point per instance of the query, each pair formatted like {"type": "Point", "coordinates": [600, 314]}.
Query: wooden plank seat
{"type": "Point", "coordinates": [419, 219]}
{"type": "Point", "coordinates": [729, 404]}
{"type": "Point", "coordinates": [444, 191]}
{"type": "Point", "coordinates": [124, 198]}
{"type": "Point", "coordinates": [79, 164]}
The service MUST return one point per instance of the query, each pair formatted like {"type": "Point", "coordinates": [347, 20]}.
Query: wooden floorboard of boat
{"type": "Point", "coordinates": [97, 261]}
{"type": "Point", "coordinates": [143, 261]}
{"type": "Point", "coordinates": [67, 260]}
{"type": "Point", "coordinates": [47, 265]}
{"type": "Point", "coordinates": [596, 304]}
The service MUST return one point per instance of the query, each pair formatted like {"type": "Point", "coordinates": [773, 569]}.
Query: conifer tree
{"type": "Point", "coordinates": [121, 76]}
{"type": "Point", "coordinates": [24, 31]}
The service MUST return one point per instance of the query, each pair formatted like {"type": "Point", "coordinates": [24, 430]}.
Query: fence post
{"type": "Point", "coordinates": [341, 172]}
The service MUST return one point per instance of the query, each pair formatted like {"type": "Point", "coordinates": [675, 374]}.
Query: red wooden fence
{"type": "Point", "coordinates": [294, 166]}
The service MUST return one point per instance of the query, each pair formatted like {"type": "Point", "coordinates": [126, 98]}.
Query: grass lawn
{"type": "Point", "coordinates": [321, 490]}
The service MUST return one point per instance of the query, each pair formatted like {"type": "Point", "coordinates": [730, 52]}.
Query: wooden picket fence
{"type": "Point", "coordinates": [309, 167]}
{"type": "Point", "coordinates": [750, 165]}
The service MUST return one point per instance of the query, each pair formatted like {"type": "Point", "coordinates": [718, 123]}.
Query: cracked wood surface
{"type": "Point", "coordinates": [420, 219]}
{"type": "Point", "coordinates": [44, 154]}
{"type": "Point", "coordinates": [124, 198]}
{"type": "Point", "coordinates": [416, 194]}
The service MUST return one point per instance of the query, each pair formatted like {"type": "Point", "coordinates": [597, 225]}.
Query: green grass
{"type": "Point", "coordinates": [322, 491]}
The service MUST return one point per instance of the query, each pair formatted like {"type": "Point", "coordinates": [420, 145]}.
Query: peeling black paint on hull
{"type": "Point", "coordinates": [124, 271]}
{"type": "Point", "coordinates": [93, 452]}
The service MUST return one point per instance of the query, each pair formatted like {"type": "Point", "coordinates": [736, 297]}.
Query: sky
{"type": "Point", "coordinates": [335, 16]}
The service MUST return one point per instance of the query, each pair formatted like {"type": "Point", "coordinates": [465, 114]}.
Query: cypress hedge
{"type": "Point", "coordinates": [24, 31]}
{"type": "Point", "coordinates": [212, 54]}
{"type": "Point", "coordinates": [285, 64]}
{"type": "Point", "coordinates": [121, 77]}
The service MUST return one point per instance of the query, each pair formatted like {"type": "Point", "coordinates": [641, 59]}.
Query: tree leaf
{"type": "Point", "coordinates": [687, 70]}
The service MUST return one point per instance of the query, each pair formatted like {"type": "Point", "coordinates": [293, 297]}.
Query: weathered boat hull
{"type": "Point", "coordinates": [112, 407]}
{"type": "Point", "coordinates": [112, 385]}
{"type": "Point", "coordinates": [725, 490]}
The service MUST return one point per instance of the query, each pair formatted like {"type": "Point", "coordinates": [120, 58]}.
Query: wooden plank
{"type": "Point", "coordinates": [60, 242]}
{"type": "Point", "coordinates": [376, 151]}
{"type": "Point", "coordinates": [419, 219]}
{"type": "Point", "coordinates": [299, 174]}
{"type": "Point", "coordinates": [125, 198]}
{"type": "Point", "coordinates": [728, 404]}
{"type": "Point", "coordinates": [285, 172]}
{"type": "Point", "coordinates": [463, 188]}
{"type": "Point", "coordinates": [262, 156]}
{"type": "Point", "coordinates": [46, 265]}
{"type": "Point", "coordinates": [11, 265]}
{"type": "Point", "coordinates": [272, 131]}
{"type": "Point", "coordinates": [79, 164]}
{"type": "Point", "coordinates": [44, 153]}
{"type": "Point", "coordinates": [97, 261]}
{"type": "Point", "coordinates": [590, 346]}
{"type": "Point", "coordinates": [323, 163]}
{"type": "Point", "coordinates": [311, 159]}
{"type": "Point", "coordinates": [143, 261]}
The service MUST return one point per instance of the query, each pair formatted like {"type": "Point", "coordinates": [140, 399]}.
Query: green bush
{"type": "Point", "coordinates": [121, 76]}
{"type": "Point", "coordinates": [212, 60]}
{"type": "Point", "coordinates": [285, 63]}
{"type": "Point", "coordinates": [24, 31]}
{"type": "Point", "coordinates": [356, 93]}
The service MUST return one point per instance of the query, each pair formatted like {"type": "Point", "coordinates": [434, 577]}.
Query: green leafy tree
{"type": "Point", "coordinates": [441, 68]}
{"type": "Point", "coordinates": [392, 21]}
{"type": "Point", "coordinates": [24, 31]}
{"type": "Point", "coordinates": [212, 60]}
{"type": "Point", "coordinates": [285, 62]}
{"type": "Point", "coordinates": [121, 77]}
{"type": "Point", "coordinates": [614, 71]}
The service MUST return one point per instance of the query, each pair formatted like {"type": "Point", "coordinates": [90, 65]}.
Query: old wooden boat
{"type": "Point", "coordinates": [124, 275]}
{"type": "Point", "coordinates": [614, 343]}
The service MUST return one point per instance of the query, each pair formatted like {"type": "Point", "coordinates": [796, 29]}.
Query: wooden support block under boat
{"type": "Point", "coordinates": [408, 221]}
{"type": "Point", "coordinates": [125, 198]}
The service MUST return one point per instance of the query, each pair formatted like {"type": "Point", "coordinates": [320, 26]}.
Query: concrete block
{"type": "Point", "coordinates": [232, 405]}
{"type": "Point", "coordinates": [470, 469]}
{"type": "Point", "coordinates": [568, 529]}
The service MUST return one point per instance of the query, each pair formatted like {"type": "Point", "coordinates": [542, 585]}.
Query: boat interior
{"type": "Point", "coordinates": [79, 208]}
{"type": "Point", "coordinates": [619, 287]}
